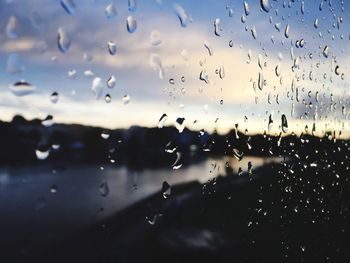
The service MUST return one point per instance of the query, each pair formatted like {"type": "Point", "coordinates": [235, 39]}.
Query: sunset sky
{"type": "Point", "coordinates": [29, 51]}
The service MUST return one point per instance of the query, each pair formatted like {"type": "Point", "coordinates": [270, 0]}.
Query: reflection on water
{"type": "Point", "coordinates": [56, 203]}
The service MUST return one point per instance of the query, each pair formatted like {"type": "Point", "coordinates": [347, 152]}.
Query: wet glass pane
{"type": "Point", "coordinates": [170, 131]}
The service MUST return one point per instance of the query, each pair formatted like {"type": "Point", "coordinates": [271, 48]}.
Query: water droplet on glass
{"type": "Point", "coordinates": [337, 70]}
{"type": "Point", "coordinates": [53, 189]}
{"type": "Point", "coordinates": [217, 27]}
{"type": "Point", "coordinates": [155, 38]}
{"type": "Point", "coordinates": [208, 47]}
{"type": "Point", "coordinates": [180, 124]}
{"type": "Point", "coordinates": [237, 154]}
{"type": "Point", "coordinates": [284, 124]}
{"type": "Point", "coordinates": [11, 28]}
{"type": "Point", "coordinates": [221, 72]}
{"type": "Point", "coordinates": [278, 70]}
{"type": "Point", "coordinates": [68, 6]}
{"type": "Point", "coordinates": [104, 189]}
{"type": "Point", "coordinates": [166, 189]}
{"type": "Point", "coordinates": [48, 121]}
{"type": "Point", "coordinates": [326, 51]}
{"type": "Point", "coordinates": [246, 8]}
{"type": "Point", "coordinates": [112, 47]}
{"type": "Point", "coordinates": [54, 97]}
{"type": "Point", "coordinates": [126, 99]}
{"type": "Point", "coordinates": [316, 23]}
{"type": "Point", "coordinates": [72, 74]}
{"type": "Point", "coordinates": [105, 135]}
{"type": "Point", "coordinates": [182, 15]}
{"type": "Point", "coordinates": [204, 76]}
{"type": "Point", "coordinates": [172, 81]}
{"type": "Point", "coordinates": [286, 31]}
{"type": "Point", "coordinates": [131, 24]}
{"type": "Point", "coordinates": [42, 154]}
{"type": "Point", "coordinates": [89, 73]}
{"type": "Point", "coordinates": [162, 120]}
{"type": "Point", "coordinates": [156, 64]}
{"type": "Point", "coordinates": [97, 87]}
{"type": "Point", "coordinates": [254, 34]}
{"type": "Point", "coordinates": [177, 165]}
{"type": "Point", "coordinates": [261, 80]}
{"type": "Point", "coordinates": [132, 5]}
{"type": "Point", "coordinates": [110, 11]}
{"type": "Point", "coordinates": [111, 82]}
{"type": "Point", "coordinates": [63, 40]}
{"type": "Point", "coordinates": [108, 98]}
{"type": "Point", "coordinates": [22, 88]}
{"type": "Point", "coordinates": [265, 5]}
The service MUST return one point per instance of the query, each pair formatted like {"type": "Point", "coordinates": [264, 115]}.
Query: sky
{"type": "Point", "coordinates": [157, 67]}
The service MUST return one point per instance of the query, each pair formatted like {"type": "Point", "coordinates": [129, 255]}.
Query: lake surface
{"type": "Point", "coordinates": [47, 204]}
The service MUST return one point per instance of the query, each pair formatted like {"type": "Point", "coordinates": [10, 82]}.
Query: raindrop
{"type": "Point", "coordinates": [156, 64]}
{"type": "Point", "coordinates": [126, 99]}
{"type": "Point", "coordinates": [265, 5]}
{"type": "Point", "coordinates": [166, 189]}
{"type": "Point", "coordinates": [162, 120]}
{"type": "Point", "coordinates": [316, 23]}
{"type": "Point", "coordinates": [105, 135]}
{"type": "Point", "coordinates": [131, 24]}
{"type": "Point", "coordinates": [54, 97]}
{"type": "Point", "coordinates": [63, 40]}
{"type": "Point", "coordinates": [89, 73]}
{"type": "Point", "coordinates": [172, 81]}
{"type": "Point", "coordinates": [204, 76]}
{"type": "Point", "coordinates": [250, 168]}
{"type": "Point", "coordinates": [53, 189]}
{"type": "Point", "coordinates": [254, 34]}
{"type": "Point", "coordinates": [337, 70]}
{"type": "Point", "coordinates": [112, 47]}
{"type": "Point", "coordinates": [132, 5]}
{"type": "Point", "coordinates": [326, 51]}
{"type": "Point", "coordinates": [237, 154]}
{"type": "Point", "coordinates": [246, 8]}
{"type": "Point", "coordinates": [217, 27]}
{"type": "Point", "coordinates": [72, 74]}
{"type": "Point", "coordinates": [108, 98]}
{"type": "Point", "coordinates": [302, 7]}
{"type": "Point", "coordinates": [111, 82]}
{"type": "Point", "coordinates": [177, 165]}
{"type": "Point", "coordinates": [221, 72]}
{"type": "Point", "coordinates": [180, 124]}
{"type": "Point", "coordinates": [155, 38]}
{"type": "Point", "coordinates": [42, 154]}
{"type": "Point", "coordinates": [97, 87]}
{"type": "Point", "coordinates": [48, 121]}
{"type": "Point", "coordinates": [181, 14]}
{"type": "Point", "coordinates": [22, 88]}
{"type": "Point", "coordinates": [284, 124]}
{"type": "Point", "coordinates": [104, 189]}
{"type": "Point", "coordinates": [278, 70]}
{"type": "Point", "coordinates": [286, 31]}
{"type": "Point", "coordinates": [11, 28]}
{"type": "Point", "coordinates": [261, 80]}
{"type": "Point", "coordinates": [68, 6]}
{"type": "Point", "coordinates": [110, 11]}
{"type": "Point", "coordinates": [208, 47]}
{"type": "Point", "coordinates": [269, 126]}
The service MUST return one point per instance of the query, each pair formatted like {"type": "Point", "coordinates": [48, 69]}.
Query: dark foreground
{"type": "Point", "coordinates": [296, 211]}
